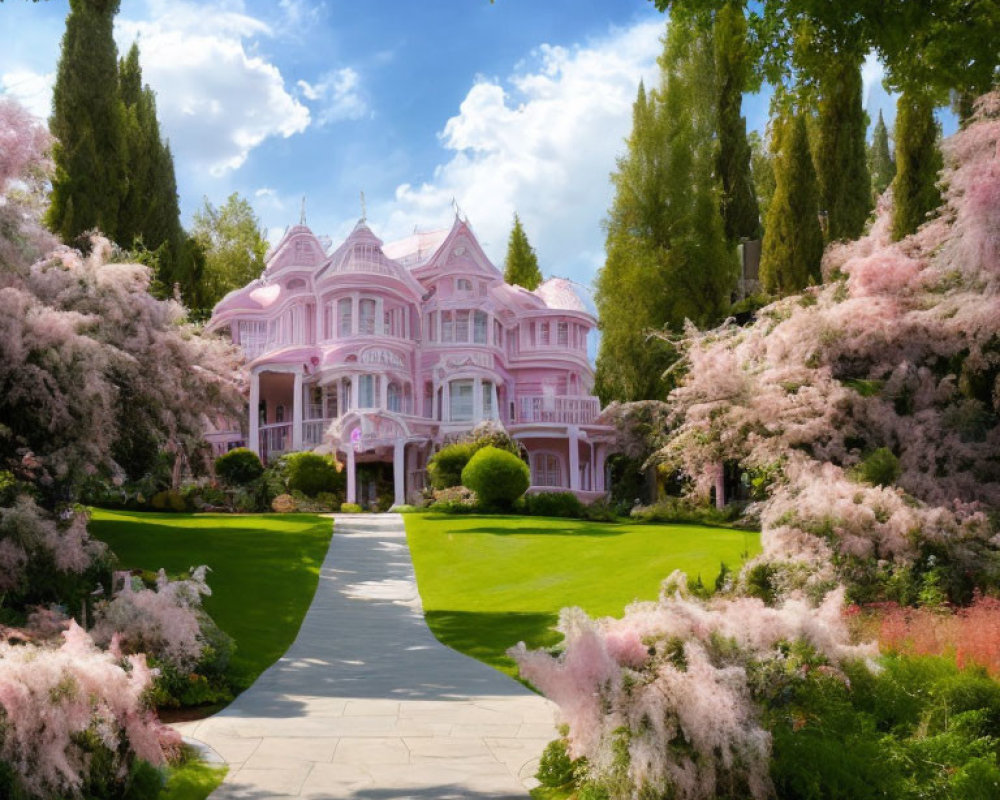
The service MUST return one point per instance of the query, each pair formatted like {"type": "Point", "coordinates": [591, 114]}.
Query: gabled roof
{"type": "Point", "coordinates": [298, 248]}
{"type": "Point", "coordinates": [460, 251]}
{"type": "Point", "coordinates": [362, 252]}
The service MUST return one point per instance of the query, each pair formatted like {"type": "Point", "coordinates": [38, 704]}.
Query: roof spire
{"type": "Point", "coordinates": [302, 213]}
{"type": "Point", "coordinates": [364, 207]}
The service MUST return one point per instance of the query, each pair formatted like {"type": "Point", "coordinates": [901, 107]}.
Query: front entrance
{"type": "Point", "coordinates": [375, 486]}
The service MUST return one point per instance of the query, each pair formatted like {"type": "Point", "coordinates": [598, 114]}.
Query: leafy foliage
{"type": "Point", "coordinates": [445, 467]}
{"type": "Point", "coordinates": [233, 244]}
{"type": "Point", "coordinates": [312, 473]}
{"type": "Point", "coordinates": [239, 466]}
{"type": "Point", "coordinates": [497, 476]}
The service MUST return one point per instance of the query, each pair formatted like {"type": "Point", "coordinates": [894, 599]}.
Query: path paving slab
{"type": "Point", "coordinates": [368, 705]}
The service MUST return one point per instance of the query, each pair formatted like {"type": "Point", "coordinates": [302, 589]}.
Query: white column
{"type": "Point", "coordinates": [574, 458]}
{"type": "Point", "coordinates": [477, 400]}
{"type": "Point", "coordinates": [254, 443]}
{"type": "Point", "coordinates": [355, 322]}
{"type": "Point", "coordinates": [380, 317]}
{"type": "Point", "coordinates": [297, 411]}
{"type": "Point", "coordinates": [352, 492]}
{"type": "Point", "coordinates": [446, 402]}
{"type": "Point", "coordinates": [354, 390]}
{"type": "Point", "coordinates": [496, 401]}
{"type": "Point", "coordinates": [383, 390]}
{"type": "Point", "coordinates": [398, 473]}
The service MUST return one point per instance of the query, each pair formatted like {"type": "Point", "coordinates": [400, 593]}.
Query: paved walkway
{"type": "Point", "coordinates": [368, 705]}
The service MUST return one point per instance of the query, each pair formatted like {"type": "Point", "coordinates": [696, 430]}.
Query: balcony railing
{"type": "Point", "coordinates": [275, 440]}
{"type": "Point", "coordinates": [565, 409]}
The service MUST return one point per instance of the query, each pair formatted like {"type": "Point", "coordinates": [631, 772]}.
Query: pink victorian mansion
{"type": "Point", "coordinates": [383, 352]}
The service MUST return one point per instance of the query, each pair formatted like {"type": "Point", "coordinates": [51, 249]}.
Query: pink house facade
{"type": "Point", "coordinates": [381, 353]}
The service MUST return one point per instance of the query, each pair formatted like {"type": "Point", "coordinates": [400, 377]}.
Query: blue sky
{"type": "Point", "coordinates": [517, 105]}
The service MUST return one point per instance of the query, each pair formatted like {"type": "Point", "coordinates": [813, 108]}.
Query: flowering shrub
{"type": "Point", "coordinates": [164, 622]}
{"type": "Point", "coordinates": [669, 687]}
{"type": "Point", "coordinates": [453, 499]}
{"type": "Point", "coordinates": [69, 710]}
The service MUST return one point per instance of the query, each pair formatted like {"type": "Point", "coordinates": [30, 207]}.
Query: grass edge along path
{"type": "Point", "coordinates": [487, 582]}
{"type": "Point", "coordinates": [264, 569]}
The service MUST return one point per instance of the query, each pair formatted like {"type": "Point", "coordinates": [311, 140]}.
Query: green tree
{"type": "Point", "coordinates": [840, 154]}
{"type": "Point", "coordinates": [521, 267]}
{"type": "Point", "coordinates": [149, 217]}
{"type": "Point", "coordinates": [667, 256]}
{"type": "Point", "coordinates": [918, 161]}
{"type": "Point", "coordinates": [234, 247]}
{"type": "Point", "coordinates": [762, 168]}
{"type": "Point", "coordinates": [880, 161]}
{"type": "Point", "coordinates": [740, 212]}
{"type": "Point", "coordinates": [793, 240]}
{"type": "Point", "coordinates": [88, 122]}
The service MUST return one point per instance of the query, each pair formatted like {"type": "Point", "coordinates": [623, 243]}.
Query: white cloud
{"type": "Point", "coordinates": [542, 143]}
{"type": "Point", "coordinates": [31, 89]}
{"type": "Point", "coordinates": [338, 95]}
{"type": "Point", "coordinates": [217, 100]}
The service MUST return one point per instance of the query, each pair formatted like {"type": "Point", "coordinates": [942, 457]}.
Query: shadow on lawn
{"type": "Point", "coordinates": [487, 635]}
{"type": "Point", "coordinates": [524, 527]}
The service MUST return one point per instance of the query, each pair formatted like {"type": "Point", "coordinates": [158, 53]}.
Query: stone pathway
{"type": "Point", "coordinates": [368, 705]}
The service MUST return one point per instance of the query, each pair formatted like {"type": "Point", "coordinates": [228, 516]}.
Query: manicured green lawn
{"type": "Point", "coordinates": [264, 569]}
{"type": "Point", "coordinates": [488, 582]}
{"type": "Point", "coordinates": [194, 780]}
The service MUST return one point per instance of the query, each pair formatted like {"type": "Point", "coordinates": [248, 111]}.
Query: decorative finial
{"type": "Point", "coordinates": [302, 213]}
{"type": "Point", "coordinates": [364, 208]}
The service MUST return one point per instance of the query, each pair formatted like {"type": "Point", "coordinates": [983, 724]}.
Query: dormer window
{"type": "Point", "coordinates": [464, 285]}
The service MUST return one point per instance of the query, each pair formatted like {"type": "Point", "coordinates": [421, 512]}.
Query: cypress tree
{"type": "Point", "coordinates": [522, 264]}
{"type": "Point", "coordinates": [918, 161]}
{"type": "Point", "coordinates": [87, 121]}
{"type": "Point", "coordinates": [793, 240]}
{"type": "Point", "coordinates": [880, 161]}
{"type": "Point", "coordinates": [740, 213]}
{"type": "Point", "coordinates": [667, 256]}
{"type": "Point", "coordinates": [841, 155]}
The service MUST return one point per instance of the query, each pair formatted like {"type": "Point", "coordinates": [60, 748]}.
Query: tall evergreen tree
{"type": "Point", "coordinates": [740, 212]}
{"type": "Point", "coordinates": [793, 240]}
{"type": "Point", "coordinates": [762, 167]}
{"type": "Point", "coordinates": [840, 156]}
{"type": "Point", "coordinates": [667, 256]}
{"type": "Point", "coordinates": [521, 267]}
{"type": "Point", "coordinates": [918, 161]}
{"type": "Point", "coordinates": [149, 217]}
{"type": "Point", "coordinates": [88, 121]}
{"type": "Point", "coordinates": [880, 162]}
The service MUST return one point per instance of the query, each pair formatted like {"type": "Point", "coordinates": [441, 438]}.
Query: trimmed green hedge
{"type": "Point", "coordinates": [497, 477]}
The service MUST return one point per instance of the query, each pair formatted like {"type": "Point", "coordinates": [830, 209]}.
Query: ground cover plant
{"type": "Point", "coordinates": [488, 582]}
{"type": "Point", "coordinates": [263, 570]}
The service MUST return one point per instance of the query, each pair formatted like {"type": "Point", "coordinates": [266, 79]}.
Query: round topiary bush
{"type": "Point", "coordinates": [238, 467]}
{"type": "Point", "coordinates": [311, 473]}
{"type": "Point", "coordinates": [445, 467]}
{"type": "Point", "coordinates": [497, 477]}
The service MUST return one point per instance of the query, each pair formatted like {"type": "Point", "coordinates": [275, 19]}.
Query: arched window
{"type": "Point", "coordinates": [394, 398]}
{"type": "Point", "coordinates": [546, 470]}
{"type": "Point", "coordinates": [460, 401]}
